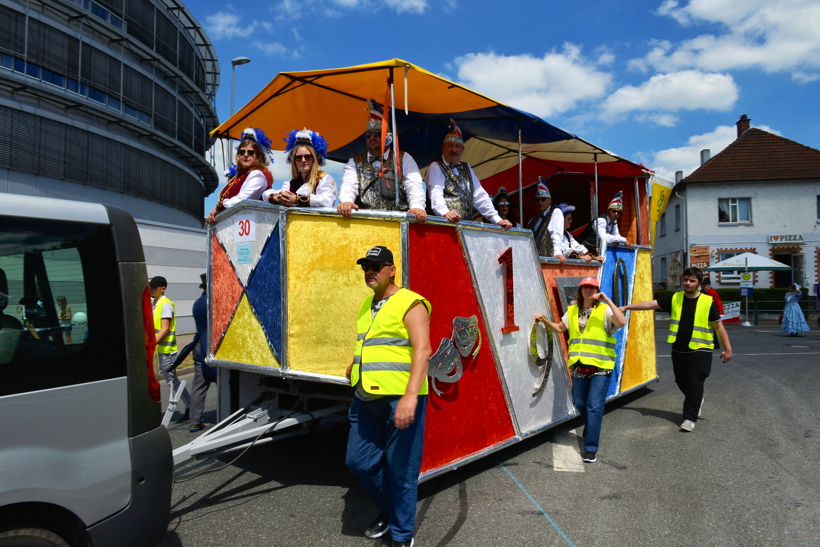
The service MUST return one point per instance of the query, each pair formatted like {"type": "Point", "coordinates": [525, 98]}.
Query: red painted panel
{"type": "Point", "coordinates": [471, 414]}
{"type": "Point", "coordinates": [225, 291]}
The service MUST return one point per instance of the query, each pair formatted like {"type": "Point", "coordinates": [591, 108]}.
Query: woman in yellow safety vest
{"type": "Point", "coordinates": [592, 320]}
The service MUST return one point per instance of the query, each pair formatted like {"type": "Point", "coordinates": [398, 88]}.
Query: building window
{"type": "Point", "coordinates": [818, 208]}
{"type": "Point", "coordinates": [664, 270]}
{"type": "Point", "coordinates": [677, 217]}
{"type": "Point", "coordinates": [735, 210]}
{"type": "Point", "coordinates": [663, 225]}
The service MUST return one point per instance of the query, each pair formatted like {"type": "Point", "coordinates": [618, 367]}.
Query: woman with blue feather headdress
{"type": "Point", "coordinates": [309, 186]}
{"type": "Point", "coordinates": [249, 176]}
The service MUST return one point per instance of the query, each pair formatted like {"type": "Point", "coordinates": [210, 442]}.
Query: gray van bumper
{"type": "Point", "coordinates": [145, 520]}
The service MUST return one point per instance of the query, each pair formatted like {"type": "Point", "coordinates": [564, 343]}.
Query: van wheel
{"type": "Point", "coordinates": [31, 537]}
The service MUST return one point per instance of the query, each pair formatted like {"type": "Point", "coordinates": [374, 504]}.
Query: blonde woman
{"type": "Point", "coordinates": [309, 186]}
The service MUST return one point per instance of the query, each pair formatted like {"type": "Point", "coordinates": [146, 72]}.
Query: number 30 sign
{"type": "Point", "coordinates": [244, 228]}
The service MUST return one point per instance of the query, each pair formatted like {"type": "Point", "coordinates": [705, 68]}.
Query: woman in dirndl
{"type": "Point", "coordinates": [249, 176]}
{"type": "Point", "coordinates": [794, 322]}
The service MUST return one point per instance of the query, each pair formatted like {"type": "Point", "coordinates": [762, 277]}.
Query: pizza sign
{"type": "Point", "coordinates": [787, 238]}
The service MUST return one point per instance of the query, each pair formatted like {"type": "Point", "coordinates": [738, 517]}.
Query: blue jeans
{"type": "Point", "coordinates": [387, 460]}
{"type": "Point", "coordinates": [589, 397]}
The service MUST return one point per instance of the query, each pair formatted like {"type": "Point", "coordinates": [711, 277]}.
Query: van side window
{"type": "Point", "coordinates": [61, 322]}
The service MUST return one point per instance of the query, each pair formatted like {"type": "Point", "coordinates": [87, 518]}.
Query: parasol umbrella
{"type": "Point", "coordinates": [748, 262]}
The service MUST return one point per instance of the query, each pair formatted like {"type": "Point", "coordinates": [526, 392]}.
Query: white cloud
{"type": "Point", "coordinates": [544, 86]}
{"type": "Point", "coordinates": [663, 119]}
{"type": "Point", "coordinates": [227, 25]}
{"type": "Point", "coordinates": [271, 48]}
{"type": "Point", "coordinates": [805, 77]}
{"type": "Point", "coordinates": [664, 93]}
{"type": "Point", "coordinates": [771, 36]}
{"type": "Point", "coordinates": [687, 158]}
{"type": "Point", "coordinates": [407, 6]}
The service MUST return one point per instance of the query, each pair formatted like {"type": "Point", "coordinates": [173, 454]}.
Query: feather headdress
{"type": "Point", "coordinates": [306, 137]}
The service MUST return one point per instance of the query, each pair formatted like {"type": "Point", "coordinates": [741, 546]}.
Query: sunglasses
{"type": "Point", "coordinates": [375, 266]}
{"type": "Point", "coordinates": [369, 134]}
{"type": "Point", "coordinates": [541, 199]}
{"type": "Point", "coordinates": [300, 157]}
{"type": "Point", "coordinates": [615, 211]}
{"type": "Point", "coordinates": [250, 152]}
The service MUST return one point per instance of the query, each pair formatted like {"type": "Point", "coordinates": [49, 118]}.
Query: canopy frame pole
{"type": "Point", "coordinates": [638, 210]}
{"type": "Point", "coordinates": [595, 206]}
{"type": "Point", "coordinates": [396, 158]}
{"type": "Point", "coordinates": [747, 323]}
{"type": "Point", "coordinates": [520, 178]}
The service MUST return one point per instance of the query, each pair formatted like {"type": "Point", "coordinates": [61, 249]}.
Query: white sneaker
{"type": "Point", "coordinates": [687, 425]}
{"type": "Point", "coordinates": [700, 410]}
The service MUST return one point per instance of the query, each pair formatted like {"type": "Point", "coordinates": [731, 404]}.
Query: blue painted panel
{"type": "Point", "coordinates": [265, 292]}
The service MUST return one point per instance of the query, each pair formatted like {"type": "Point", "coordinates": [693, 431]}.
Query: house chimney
{"type": "Point", "coordinates": [704, 156]}
{"type": "Point", "coordinates": [678, 176]}
{"type": "Point", "coordinates": [742, 124]}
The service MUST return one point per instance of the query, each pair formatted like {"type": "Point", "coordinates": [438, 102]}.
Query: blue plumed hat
{"type": "Point", "coordinates": [566, 208]}
{"type": "Point", "coordinates": [306, 137]}
{"type": "Point", "coordinates": [262, 141]}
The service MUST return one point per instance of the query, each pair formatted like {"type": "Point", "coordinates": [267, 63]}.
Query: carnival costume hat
{"type": "Point", "coordinates": [262, 141]}
{"type": "Point", "coordinates": [306, 137]}
{"type": "Point", "coordinates": [455, 135]}
{"type": "Point", "coordinates": [542, 191]}
{"type": "Point", "coordinates": [617, 202]}
{"type": "Point", "coordinates": [375, 119]}
{"type": "Point", "coordinates": [501, 197]}
{"type": "Point", "coordinates": [566, 208]}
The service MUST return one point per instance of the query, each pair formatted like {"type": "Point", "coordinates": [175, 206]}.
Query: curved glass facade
{"type": "Point", "coordinates": [82, 79]}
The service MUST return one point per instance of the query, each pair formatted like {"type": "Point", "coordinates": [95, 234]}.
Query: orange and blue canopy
{"type": "Point", "coordinates": [334, 103]}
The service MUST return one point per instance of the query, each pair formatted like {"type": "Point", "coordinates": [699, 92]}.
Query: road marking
{"type": "Point", "coordinates": [566, 455]}
{"type": "Point", "coordinates": [759, 354]}
{"type": "Point", "coordinates": [563, 535]}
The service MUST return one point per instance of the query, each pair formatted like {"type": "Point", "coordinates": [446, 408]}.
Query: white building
{"type": "Point", "coordinates": [111, 101]}
{"type": "Point", "coordinates": [761, 195]}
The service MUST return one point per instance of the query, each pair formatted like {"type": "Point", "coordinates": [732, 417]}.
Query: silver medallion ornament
{"type": "Point", "coordinates": [541, 348]}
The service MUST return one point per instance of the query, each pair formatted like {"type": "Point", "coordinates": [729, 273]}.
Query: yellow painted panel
{"type": "Point", "coordinates": [326, 287]}
{"type": "Point", "coordinates": [245, 341]}
{"type": "Point", "coordinates": [640, 360]}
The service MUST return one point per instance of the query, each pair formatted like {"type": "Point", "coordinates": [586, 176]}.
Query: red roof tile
{"type": "Point", "coordinates": [759, 155]}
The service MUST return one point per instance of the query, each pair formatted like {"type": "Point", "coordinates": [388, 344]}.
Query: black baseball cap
{"type": "Point", "coordinates": [158, 281]}
{"type": "Point", "coordinates": [377, 254]}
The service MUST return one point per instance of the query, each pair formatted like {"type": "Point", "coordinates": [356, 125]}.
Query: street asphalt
{"type": "Point", "coordinates": [748, 475]}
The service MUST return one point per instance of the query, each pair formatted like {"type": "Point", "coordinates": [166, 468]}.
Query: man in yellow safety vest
{"type": "Point", "coordinates": [389, 372]}
{"type": "Point", "coordinates": [165, 327]}
{"type": "Point", "coordinates": [693, 315]}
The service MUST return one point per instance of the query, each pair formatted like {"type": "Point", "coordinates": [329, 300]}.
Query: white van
{"type": "Point", "coordinates": [84, 459]}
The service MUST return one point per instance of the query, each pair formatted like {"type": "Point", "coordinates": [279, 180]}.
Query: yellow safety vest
{"type": "Point", "coordinates": [383, 349]}
{"type": "Point", "coordinates": [169, 343]}
{"type": "Point", "coordinates": [702, 334]}
{"type": "Point", "coordinates": [594, 346]}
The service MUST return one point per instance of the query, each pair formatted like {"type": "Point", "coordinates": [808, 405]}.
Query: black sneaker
{"type": "Point", "coordinates": [590, 457]}
{"type": "Point", "coordinates": [186, 417]}
{"type": "Point", "coordinates": [378, 527]}
{"type": "Point", "coordinates": [394, 543]}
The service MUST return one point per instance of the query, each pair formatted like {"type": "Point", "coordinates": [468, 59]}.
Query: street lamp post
{"type": "Point", "coordinates": [234, 62]}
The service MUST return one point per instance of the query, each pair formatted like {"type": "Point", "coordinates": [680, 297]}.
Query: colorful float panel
{"type": "Point", "coordinates": [617, 282]}
{"type": "Point", "coordinates": [639, 357]}
{"type": "Point", "coordinates": [507, 273]}
{"type": "Point", "coordinates": [244, 252]}
{"type": "Point", "coordinates": [467, 410]}
{"type": "Point", "coordinates": [325, 287]}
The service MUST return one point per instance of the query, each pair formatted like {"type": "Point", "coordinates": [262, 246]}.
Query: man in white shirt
{"type": "Point", "coordinates": [605, 227]}
{"type": "Point", "coordinates": [455, 191]}
{"type": "Point", "coordinates": [360, 178]}
{"type": "Point", "coordinates": [548, 225]}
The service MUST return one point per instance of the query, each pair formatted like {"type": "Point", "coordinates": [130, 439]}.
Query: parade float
{"type": "Point", "coordinates": [284, 287]}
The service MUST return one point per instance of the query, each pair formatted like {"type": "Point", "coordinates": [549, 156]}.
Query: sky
{"type": "Point", "coordinates": [654, 81]}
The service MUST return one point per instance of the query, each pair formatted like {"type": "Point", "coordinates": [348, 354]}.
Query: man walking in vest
{"type": "Point", "coordinates": [389, 372]}
{"type": "Point", "coordinates": [165, 327]}
{"type": "Point", "coordinates": [693, 316]}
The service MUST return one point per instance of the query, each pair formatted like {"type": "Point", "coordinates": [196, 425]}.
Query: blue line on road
{"type": "Point", "coordinates": [563, 535]}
